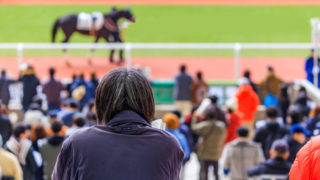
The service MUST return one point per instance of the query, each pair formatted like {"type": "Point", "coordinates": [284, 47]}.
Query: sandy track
{"type": "Point", "coordinates": [165, 68]}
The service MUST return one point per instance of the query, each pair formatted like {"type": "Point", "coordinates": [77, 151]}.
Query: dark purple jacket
{"type": "Point", "coordinates": [126, 148]}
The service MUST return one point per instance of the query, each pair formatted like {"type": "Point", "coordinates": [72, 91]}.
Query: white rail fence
{"type": "Point", "coordinates": [128, 47]}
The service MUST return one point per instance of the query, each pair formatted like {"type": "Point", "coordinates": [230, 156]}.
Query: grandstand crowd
{"type": "Point", "coordinates": [225, 136]}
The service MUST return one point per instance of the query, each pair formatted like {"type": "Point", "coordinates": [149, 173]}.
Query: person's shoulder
{"type": "Point", "coordinates": [7, 156]}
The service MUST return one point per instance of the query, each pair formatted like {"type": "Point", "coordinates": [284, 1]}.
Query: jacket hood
{"type": "Point", "coordinates": [126, 122]}
{"type": "Point", "coordinates": [55, 140]}
{"type": "Point", "coordinates": [273, 125]}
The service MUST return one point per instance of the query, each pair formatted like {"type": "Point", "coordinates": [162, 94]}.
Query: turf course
{"type": "Point", "coordinates": [173, 24]}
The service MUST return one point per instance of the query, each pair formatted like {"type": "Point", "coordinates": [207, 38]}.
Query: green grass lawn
{"type": "Point", "coordinates": [172, 24]}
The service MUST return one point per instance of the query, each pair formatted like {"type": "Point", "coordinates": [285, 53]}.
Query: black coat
{"type": "Point", "coordinates": [267, 134]}
{"type": "Point", "coordinates": [271, 167]}
{"type": "Point", "coordinates": [30, 83]}
{"type": "Point", "coordinates": [294, 148]}
{"type": "Point", "coordinates": [126, 148]}
{"type": "Point", "coordinates": [5, 128]}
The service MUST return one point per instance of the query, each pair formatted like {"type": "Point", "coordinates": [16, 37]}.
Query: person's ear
{"type": "Point", "coordinates": [286, 155]}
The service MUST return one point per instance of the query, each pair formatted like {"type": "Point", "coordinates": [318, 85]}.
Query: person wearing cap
{"type": "Point", "coordinates": [233, 120]}
{"type": "Point", "coordinates": [213, 133]}
{"type": "Point", "coordinates": [309, 67]}
{"type": "Point", "coordinates": [297, 138]}
{"type": "Point", "coordinates": [270, 131]}
{"type": "Point", "coordinates": [241, 154]}
{"type": "Point", "coordinates": [270, 85]}
{"type": "Point", "coordinates": [248, 102]}
{"type": "Point", "coordinates": [277, 166]}
{"type": "Point", "coordinates": [9, 164]}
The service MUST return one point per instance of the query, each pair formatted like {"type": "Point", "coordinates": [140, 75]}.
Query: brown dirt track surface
{"type": "Point", "coordinates": [167, 2]}
{"type": "Point", "coordinates": [165, 68]}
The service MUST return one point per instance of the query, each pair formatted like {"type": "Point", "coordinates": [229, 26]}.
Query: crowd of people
{"type": "Point", "coordinates": [229, 135]}
{"type": "Point", "coordinates": [58, 136]}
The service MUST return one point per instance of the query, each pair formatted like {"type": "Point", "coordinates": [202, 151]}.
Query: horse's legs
{"type": "Point", "coordinates": [65, 54]}
{"type": "Point", "coordinates": [117, 38]}
{"type": "Point", "coordinates": [92, 51]}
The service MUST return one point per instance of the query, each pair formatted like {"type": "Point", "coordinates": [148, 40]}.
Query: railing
{"type": "Point", "coordinates": [128, 47]}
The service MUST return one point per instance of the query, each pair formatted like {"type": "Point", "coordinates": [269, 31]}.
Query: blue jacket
{"type": "Point", "coordinates": [182, 142]}
{"type": "Point", "coordinates": [308, 69]}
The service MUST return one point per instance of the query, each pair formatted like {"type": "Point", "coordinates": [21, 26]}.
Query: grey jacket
{"type": "Point", "coordinates": [240, 156]}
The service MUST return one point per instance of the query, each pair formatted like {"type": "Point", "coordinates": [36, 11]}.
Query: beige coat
{"type": "Point", "coordinates": [213, 134]}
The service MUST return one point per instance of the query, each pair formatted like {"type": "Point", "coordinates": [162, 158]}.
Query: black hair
{"type": "Point", "coordinates": [247, 74]}
{"type": "Point", "coordinates": [243, 131]}
{"type": "Point", "coordinates": [79, 121]}
{"type": "Point", "coordinates": [214, 99]}
{"type": "Point", "coordinates": [296, 116]}
{"type": "Point", "coordinates": [18, 130]}
{"type": "Point", "coordinates": [199, 75]}
{"type": "Point", "coordinates": [56, 127]}
{"type": "Point", "coordinates": [183, 68]}
{"type": "Point", "coordinates": [272, 112]}
{"type": "Point", "coordinates": [52, 72]}
{"type": "Point", "coordinates": [124, 89]}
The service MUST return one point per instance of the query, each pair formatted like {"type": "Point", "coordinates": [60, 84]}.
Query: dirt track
{"type": "Point", "coordinates": [165, 68]}
{"type": "Point", "coordinates": [167, 2]}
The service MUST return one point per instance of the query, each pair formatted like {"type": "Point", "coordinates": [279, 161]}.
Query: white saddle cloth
{"type": "Point", "coordinates": [89, 22]}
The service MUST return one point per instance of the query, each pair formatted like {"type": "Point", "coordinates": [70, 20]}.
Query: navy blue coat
{"type": "Point", "coordinates": [271, 167]}
{"type": "Point", "coordinates": [126, 148]}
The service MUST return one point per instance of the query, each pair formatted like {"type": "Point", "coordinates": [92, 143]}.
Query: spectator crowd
{"type": "Point", "coordinates": [224, 136]}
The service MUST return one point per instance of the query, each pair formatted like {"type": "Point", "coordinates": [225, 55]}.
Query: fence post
{"type": "Point", "coordinates": [237, 50]}
{"type": "Point", "coordinates": [127, 49]}
{"type": "Point", "coordinates": [20, 53]}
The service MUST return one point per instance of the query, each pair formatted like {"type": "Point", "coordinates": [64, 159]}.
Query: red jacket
{"type": "Point", "coordinates": [234, 124]}
{"type": "Point", "coordinates": [248, 102]}
{"type": "Point", "coordinates": [306, 165]}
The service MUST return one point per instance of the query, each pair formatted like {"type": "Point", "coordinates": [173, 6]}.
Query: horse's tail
{"type": "Point", "coordinates": [54, 30]}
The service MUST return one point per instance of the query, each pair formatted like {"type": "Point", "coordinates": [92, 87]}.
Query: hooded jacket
{"type": "Point", "coordinates": [306, 165]}
{"type": "Point", "coordinates": [127, 147]}
{"type": "Point", "coordinates": [248, 102]}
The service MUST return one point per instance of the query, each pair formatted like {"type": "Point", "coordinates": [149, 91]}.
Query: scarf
{"type": "Point", "coordinates": [19, 148]}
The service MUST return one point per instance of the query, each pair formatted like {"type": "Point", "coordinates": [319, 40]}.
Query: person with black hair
{"type": "Point", "coordinates": [52, 90]}
{"type": "Point", "coordinates": [271, 131]}
{"type": "Point", "coordinates": [220, 115]}
{"type": "Point", "coordinates": [78, 122]}
{"type": "Point", "coordinates": [51, 148]}
{"type": "Point", "coordinates": [199, 90]}
{"type": "Point", "coordinates": [4, 87]}
{"type": "Point", "coordinates": [182, 91]}
{"type": "Point", "coordinates": [21, 147]}
{"type": "Point", "coordinates": [247, 74]}
{"type": "Point", "coordinates": [123, 145]}
{"type": "Point", "coordinates": [5, 124]}
{"type": "Point", "coordinates": [241, 154]}
{"type": "Point", "coordinates": [284, 102]}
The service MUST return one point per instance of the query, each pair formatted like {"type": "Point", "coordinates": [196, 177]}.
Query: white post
{"type": "Point", "coordinates": [127, 49]}
{"type": "Point", "coordinates": [20, 53]}
{"type": "Point", "coordinates": [237, 49]}
{"type": "Point", "coordinates": [315, 41]}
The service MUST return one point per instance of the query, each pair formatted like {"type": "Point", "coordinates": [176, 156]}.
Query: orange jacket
{"type": "Point", "coordinates": [248, 102]}
{"type": "Point", "coordinates": [306, 165]}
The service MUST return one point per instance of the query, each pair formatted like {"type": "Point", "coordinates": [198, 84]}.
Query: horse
{"type": "Point", "coordinates": [68, 24]}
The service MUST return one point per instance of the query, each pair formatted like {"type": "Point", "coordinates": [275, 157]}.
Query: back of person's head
{"type": "Point", "coordinates": [3, 72]}
{"type": "Point", "coordinates": [210, 113]}
{"type": "Point", "coordinates": [18, 130]}
{"type": "Point", "coordinates": [52, 72]}
{"type": "Point", "coordinates": [124, 89]}
{"type": "Point", "coordinates": [74, 104]}
{"type": "Point", "coordinates": [177, 112]}
{"type": "Point", "coordinates": [183, 68]}
{"type": "Point", "coordinates": [246, 74]}
{"type": "Point", "coordinates": [81, 76]}
{"type": "Point", "coordinates": [299, 133]}
{"type": "Point", "coordinates": [37, 132]}
{"type": "Point", "coordinates": [79, 121]}
{"type": "Point", "coordinates": [214, 99]}
{"type": "Point", "coordinates": [270, 69]}
{"type": "Point", "coordinates": [279, 149]}
{"type": "Point", "coordinates": [199, 76]}
{"type": "Point", "coordinates": [295, 116]}
{"type": "Point", "coordinates": [272, 112]}
{"type": "Point", "coordinates": [243, 132]}
{"type": "Point", "coordinates": [284, 90]}
{"type": "Point", "coordinates": [171, 120]}
{"type": "Point", "coordinates": [56, 127]}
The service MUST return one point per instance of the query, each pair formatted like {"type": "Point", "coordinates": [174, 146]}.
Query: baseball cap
{"type": "Point", "coordinates": [280, 146]}
{"type": "Point", "coordinates": [297, 128]}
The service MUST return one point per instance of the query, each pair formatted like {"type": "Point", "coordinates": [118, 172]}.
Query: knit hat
{"type": "Point", "coordinates": [297, 128]}
{"type": "Point", "coordinates": [281, 146]}
{"type": "Point", "coordinates": [171, 120]}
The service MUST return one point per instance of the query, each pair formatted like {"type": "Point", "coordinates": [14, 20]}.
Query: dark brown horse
{"type": "Point", "coordinates": [109, 31]}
